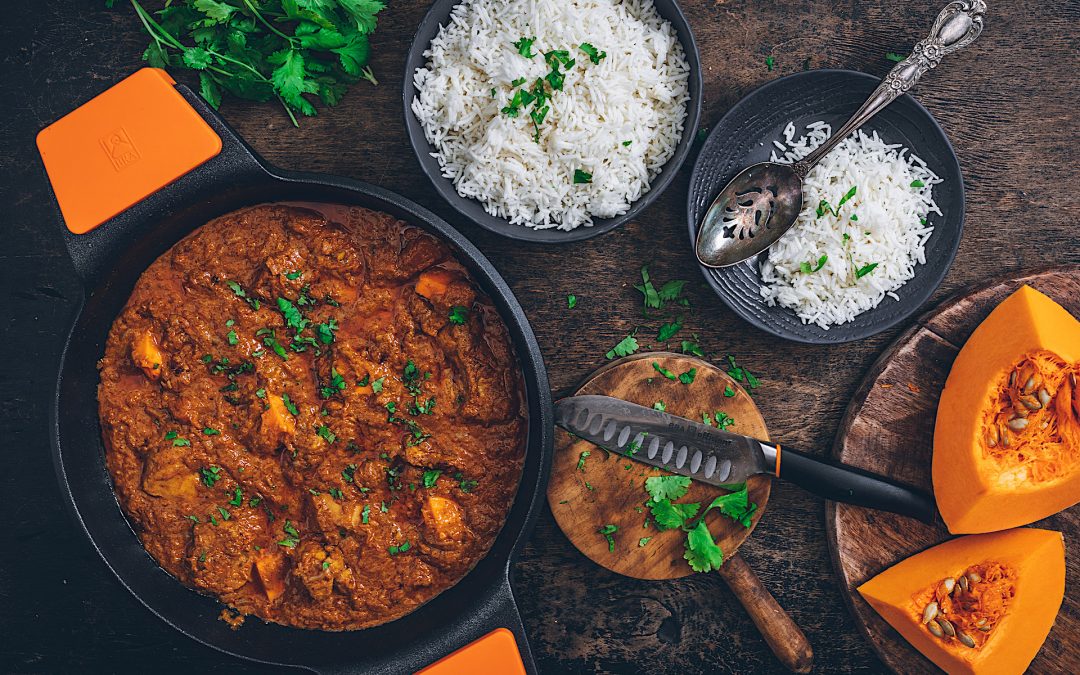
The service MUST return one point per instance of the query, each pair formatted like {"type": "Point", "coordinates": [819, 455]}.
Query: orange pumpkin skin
{"type": "Point", "coordinates": [1038, 559]}
{"type": "Point", "coordinates": [975, 491]}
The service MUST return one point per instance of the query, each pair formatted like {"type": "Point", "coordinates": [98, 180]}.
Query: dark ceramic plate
{"type": "Point", "coordinates": [474, 210]}
{"type": "Point", "coordinates": [744, 136]}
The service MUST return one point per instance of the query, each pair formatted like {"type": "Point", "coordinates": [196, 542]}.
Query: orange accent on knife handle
{"type": "Point", "coordinates": [778, 460]}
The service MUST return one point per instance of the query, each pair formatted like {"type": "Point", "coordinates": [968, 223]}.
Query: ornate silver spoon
{"type": "Point", "coordinates": [760, 204]}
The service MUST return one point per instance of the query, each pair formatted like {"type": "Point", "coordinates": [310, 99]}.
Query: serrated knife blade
{"type": "Point", "coordinates": [719, 457]}
{"type": "Point", "coordinates": [676, 444]}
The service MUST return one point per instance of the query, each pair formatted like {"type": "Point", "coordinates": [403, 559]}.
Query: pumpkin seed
{"type": "Point", "coordinates": [965, 639]}
{"type": "Point", "coordinates": [985, 629]}
{"type": "Point", "coordinates": [1019, 423]}
{"type": "Point", "coordinates": [930, 612]}
{"type": "Point", "coordinates": [1044, 397]}
{"type": "Point", "coordinates": [992, 436]}
{"type": "Point", "coordinates": [1045, 423]}
{"type": "Point", "coordinates": [1031, 403]}
{"type": "Point", "coordinates": [975, 578]}
{"type": "Point", "coordinates": [948, 584]}
{"type": "Point", "coordinates": [947, 627]}
{"type": "Point", "coordinates": [1012, 379]}
{"type": "Point", "coordinates": [980, 623]}
{"type": "Point", "coordinates": [1020, 410]}
{"type": "Point", "coordinates": [1072, 380]}
{"type": "Point", "coordinates": [1030, 385]}
{"type": "Point", "coordinates": [1005, 442]}
{"type": "Point", "coordinates": [964, 583]}
{"type": "Point", "coordinates": [935, 628]}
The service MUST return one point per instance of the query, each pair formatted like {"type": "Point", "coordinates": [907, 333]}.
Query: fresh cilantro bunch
{"type": "Point", "coordinates": [702, 552]}
{"type": "Point", "coordinates": [291, 50]}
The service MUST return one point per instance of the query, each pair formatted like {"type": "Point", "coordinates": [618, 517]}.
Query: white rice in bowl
{"type": "Point", "coordinates": [840, 260]}
{"type": "Point", "coordinates": [618, 121]}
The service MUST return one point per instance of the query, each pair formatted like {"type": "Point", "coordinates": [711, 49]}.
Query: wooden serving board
{"type": "Point", "coordinates": [889, 428]}
{"type": "Point", "coordinates": [599, 488]}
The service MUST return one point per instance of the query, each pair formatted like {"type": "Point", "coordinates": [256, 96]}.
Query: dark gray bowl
{"type": "Point", "coordinates": [474, 210]}
{"type": "Point", "coordinates": [744, 137]}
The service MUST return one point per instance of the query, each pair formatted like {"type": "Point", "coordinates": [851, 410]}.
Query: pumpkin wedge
{"type": "Point", "coordinates": [1007, 436]}
{"type": "Point", "coordinates": [980, 604]}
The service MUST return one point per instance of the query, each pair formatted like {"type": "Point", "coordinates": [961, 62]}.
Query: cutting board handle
{"type": "Point", "coordinates": [784, 637]}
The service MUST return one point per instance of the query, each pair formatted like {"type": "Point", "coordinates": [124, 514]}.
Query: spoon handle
{"type": "Point", "coordinates": [957, 26]}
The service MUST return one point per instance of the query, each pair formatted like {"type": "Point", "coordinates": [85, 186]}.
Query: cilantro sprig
{"type": "Point", "coordinates": [271, 49]}
{"type": "Point", "coordinates": [702, 552]}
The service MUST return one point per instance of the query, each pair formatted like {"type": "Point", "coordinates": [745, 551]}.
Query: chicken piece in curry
{"type": "Point", "coordinates": [313, 414]}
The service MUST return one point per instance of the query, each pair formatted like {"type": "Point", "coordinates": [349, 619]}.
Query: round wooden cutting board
{"type": "Point", "coordinates": [889, 429]}
{"type": "Point", "coordinates": [591, 488]}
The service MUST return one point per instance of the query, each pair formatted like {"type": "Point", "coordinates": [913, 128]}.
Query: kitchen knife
{"type": "Point", "coordinates": [711, 455]}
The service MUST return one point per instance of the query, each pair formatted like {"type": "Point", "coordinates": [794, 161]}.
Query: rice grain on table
{"type": "Point", "coordinates": [885, 222]}
{"type": "Point", "coordinates": [619, 120]}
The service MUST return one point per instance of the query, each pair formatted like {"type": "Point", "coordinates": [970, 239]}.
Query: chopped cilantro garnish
{"type": "Point", "coordinates": [327, 435]}
{"type": "Point", "coordinates": [770, 63]}
{"type": "Point", "coordinates": [289, 405]}
{"type": "Point", "coordinates": [292, 536]}
{"type": "Point", "coordinates": [668, 330]}
{"type": "Point", "coordinates": [458, 314]}
{"type": "Point", "coordinates": [864, 270]}
{"type": "Point", "coordinates": [608, 531]}
{"type": "Point", "coordinates": [571, 301]}
{"type": "Point", "coordinates": [593, 53]}
{"type": "Point", "coordinates": [728, 391]}
{"type": "Point", "coordinates": [807, 268]}
{"type": "Point", "coordinates": [365, 514]}
{"type": "Point", "coordinates": [692, 348]}
{"type": "Point", "coordinates": [895, 58]}
{"type": "Point", "coordinates": [232, 338]}
{"type": "Point", "coordinates": [431, 476]}
{"type": "Point", "coordinates": [524, 46]}
{"type": "Point", "coordinates": [377, 385]}
{"type": "Point", "coordinates": [667, 487]}
{"type": "Point", "coordinates": [582, 176]}
{"type": "Point", "coordinates": [395, 550]}
{"type": "Point", "coordinates": [627, 346]}
{"type": "Point", "coordinates": [663, 371]}
{"type": "Point", "coordinates": [643, 541]}
{"type": "Point", "coordinates": [659, 405]}
{"type": "Point", "coordinates": [581, 459]}
{"type": "Point", "coordinates": [348, 472]}
{"type": "Point", "coordinates": [917, 184]}
{"type": "Point", "coordinates": [688, 376]}
{"type": "Point", "coordinates": [291, 276]}
{"type": "Point", "coordinates": [210, 432]}
{"type": "Point", "coordinates": [210, 475]}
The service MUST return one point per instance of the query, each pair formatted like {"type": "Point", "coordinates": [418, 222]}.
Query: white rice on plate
{"type": "Point", "coordinates": [619, 120]}
{"type": "Point", "coordinates": [871, 243]}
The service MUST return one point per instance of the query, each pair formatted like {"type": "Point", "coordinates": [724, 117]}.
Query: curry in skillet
{"type": "Point", "coordinates": [311, 413]}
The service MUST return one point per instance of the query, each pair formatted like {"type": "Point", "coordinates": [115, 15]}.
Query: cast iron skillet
{"type": "Point", "coordinates": [110, 260]}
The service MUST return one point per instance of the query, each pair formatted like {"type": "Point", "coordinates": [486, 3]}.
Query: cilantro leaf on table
{"type": "Point", "coordinates": [666, 487]}
{"type": "Point", "coordinates": [701, 551]}
{"type": "Point", "coordinates": [668, 330]}
{"type": "Point", "coordinates": [663, 371]}
{"type": "Point", "coordinates": [652, 298]}
{"type": "Point", "coordinates": [627, 346]}
{"type": "Point", "coordinates": [291, 50]}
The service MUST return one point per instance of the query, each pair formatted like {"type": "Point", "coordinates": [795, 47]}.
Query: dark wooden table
{"type": "Point", "coordinates": [1008, 103]}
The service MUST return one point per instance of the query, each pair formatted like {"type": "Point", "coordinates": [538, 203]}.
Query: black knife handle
{"type": "Point", "coordinates": [847, 484]}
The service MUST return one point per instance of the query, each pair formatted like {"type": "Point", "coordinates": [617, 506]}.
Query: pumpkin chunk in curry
{"type": "Point", "coordinates": [313, 414]}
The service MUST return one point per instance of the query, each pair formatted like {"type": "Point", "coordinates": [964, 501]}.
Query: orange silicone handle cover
{"type": "Point", "coordinates": [122, 146]}
{"type": "Point", "coordinates": [494, 654]}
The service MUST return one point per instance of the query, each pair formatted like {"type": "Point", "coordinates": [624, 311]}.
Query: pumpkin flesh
{"type": "Point", "coordinates": [1007, 437]}
{"type": "Point", "coordinates": [1014, 588]}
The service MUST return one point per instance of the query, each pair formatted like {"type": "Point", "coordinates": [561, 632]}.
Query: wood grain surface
{"type": "Point", "coordinates": [1007, 102]}
{"type": "Point", "coordinates": [889, 428]}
